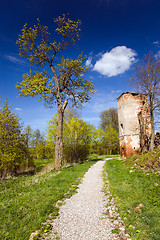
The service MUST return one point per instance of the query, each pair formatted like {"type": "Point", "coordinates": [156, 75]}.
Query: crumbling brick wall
{"type": "Point", "coordinates": [157, 140]}
{"type": "Point", "coordinates": [134, 123]}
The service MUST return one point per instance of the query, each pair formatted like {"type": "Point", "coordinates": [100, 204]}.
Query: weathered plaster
{"type": "Point", "coordinates": [134, 123]}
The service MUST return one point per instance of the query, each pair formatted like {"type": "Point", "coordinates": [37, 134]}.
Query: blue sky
{"type": "Point", "coordinates": [115, 35]}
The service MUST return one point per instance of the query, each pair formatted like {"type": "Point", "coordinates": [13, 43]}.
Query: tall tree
{"type": "Point", "coordinates": [37, 137]}
{"type": "Point", "coordinates": [97, 137]}
{"type": "Point", "coordinates": [72, 112]}
{"type": "Point", "coordinates": [13, 151]}
{"type": "Point", "coordinates": [147, 81]}
{"type": "Point", "coordinates": [109, 118]}
{"type": "Point", "coordinates": [27, 132]}
{"type": "Point", "coordinates": [77, 137]}
{"type": "Point", "coordinates": [111, 140]}
{"type": "Point", "coordinates": [65, 81]}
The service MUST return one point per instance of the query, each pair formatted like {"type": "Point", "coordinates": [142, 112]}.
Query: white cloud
{"type": "Point", "coordinates": [14, 59]}
{"type": "Point", "coordinates": [89, 62]}
{"type": "Point", "coordinates": [91, 77]}
{"type": "Point", "coordinates": [117, 91]}
{"type": "Point", "coordinates": [115, 62]}
{"type": "Point", "coordinates": [157, 56]}
{"type": "Point", "coordinates": [18, 109]}
{"type": "Point", "coordinates": [156, 42]}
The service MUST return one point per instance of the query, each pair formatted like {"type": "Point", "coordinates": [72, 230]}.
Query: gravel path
{"type": "Point", "coordinates": [83, 217]}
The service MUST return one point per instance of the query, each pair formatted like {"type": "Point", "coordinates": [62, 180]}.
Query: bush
{"type": "Point", "coordinates": [13, 151]}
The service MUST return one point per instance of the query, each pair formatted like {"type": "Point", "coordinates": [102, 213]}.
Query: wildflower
{"type": "Point", "coordinates": [36, 233]}
{"type": "Point", "coordinates": [131, 226]}
{"type": "Point", "coordinates": [45, 231]}
{"type": "Point", "coordinates": [137, 231]}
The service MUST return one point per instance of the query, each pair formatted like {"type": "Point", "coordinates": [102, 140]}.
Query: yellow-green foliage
{"type": "Point", "coordinates": [111, 140]}
{"type": "Point", "coordinates": [13, 152]}
{"type": "Point", "coordinates": [68, 75]}
{"type": "Point", "coordinates": [36, 144]}
{"type": "Point", "coordinates": [105, 142]}
{"type": "Point", "coordinates": [96, 139]}
{"type": "Point", "coordinates": [77, 140]}
{"type": "Point", "coordinates": [77, 137]}
{"type": "Point", "coordinates": [64, 80]}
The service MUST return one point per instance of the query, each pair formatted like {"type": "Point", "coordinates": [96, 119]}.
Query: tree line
{"type": "Point", "coordinates": [21, 146]}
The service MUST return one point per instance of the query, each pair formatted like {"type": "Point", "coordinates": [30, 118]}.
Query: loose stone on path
{"type": "Point", "coordinates": [83, 217]}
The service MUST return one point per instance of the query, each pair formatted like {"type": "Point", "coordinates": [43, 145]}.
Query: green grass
{"type": "Point", "coordinates": [26, 201]}
{"type": "Point", "coordinates": [102, 156]}
{"type": "Point", "coordinates": [112, 156]}
{"type": "Point", "coordinates": [43, 162]}
{"type": "Point", "coordinates": [147, 161]}
{"type": "Point", "coordinates": [137, 196]}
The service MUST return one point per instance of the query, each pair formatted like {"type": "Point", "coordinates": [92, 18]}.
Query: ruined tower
{"type": "Point", "coordinates": [134, 123]}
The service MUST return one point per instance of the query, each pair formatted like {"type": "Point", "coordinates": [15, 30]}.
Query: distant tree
{"type": "Point", "coordinates": [36, 138]}
{"type": "Point", "coordinates": [51, 133]}
{"type": "Point", "coordinates": [66, 82]}
{"type": "Point", "coordinates": [147, 81]}
{"type": "Point", "coordinates": [109, 118]}
{"type": "Point", "coordinates": [97, 135]}
{"type": "Point", "coordinates": [72, 112]}
{"type": "Point", "coordinates": [27, 132]}
{"type": "Point", "coordinates": [40, 148]}
{"type": "Point", "coordinates": [77, 138]}
{"type": "Point", "coordinates": [13, 151]}
{"type": "Point", "coordinates": [111, 140]}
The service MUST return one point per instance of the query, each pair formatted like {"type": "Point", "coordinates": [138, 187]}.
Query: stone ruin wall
{"type": "Point", "coordinates": [157, 140]}
{"type": "Point", "coordinates": [134, 123]}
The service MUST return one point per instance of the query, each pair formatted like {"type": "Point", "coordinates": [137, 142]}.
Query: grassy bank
{"type": "Point", "coordinates": [137, 196]}
{"type": "Point", "coordinates": [26, 201]}
{"type": "Point", "coordinates": [148, 162]}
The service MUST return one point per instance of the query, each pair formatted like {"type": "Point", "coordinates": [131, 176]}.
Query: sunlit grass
{"type": "Point", "coordinates": [149, 161]}
{"type": "Point", "coordinates": [137, 196]}
{"type": "Point", "coordinates": [26, 201]}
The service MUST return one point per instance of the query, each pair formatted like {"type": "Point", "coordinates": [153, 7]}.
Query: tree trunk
{"type": "Point", "coordinates": [59, 140]}
{"type": "Point", "coordinates": [59, 134]}
{"type": "Point", "coordinates": [152, 134]}
{"type": "Point", "coordinates": [152, 125]}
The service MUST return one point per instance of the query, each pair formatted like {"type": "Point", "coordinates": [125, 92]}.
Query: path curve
{"type": "Point", "coordinates": [83, 217]}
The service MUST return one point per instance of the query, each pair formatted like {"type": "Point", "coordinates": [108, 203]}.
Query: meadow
{"type": "Point", "coordinates": [136, 193]}
{"type": "Point", "coordinates": [28, 200]}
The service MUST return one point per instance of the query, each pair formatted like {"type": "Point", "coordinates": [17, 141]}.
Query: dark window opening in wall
{"type": "Point", "coordinates": [121, 127]}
